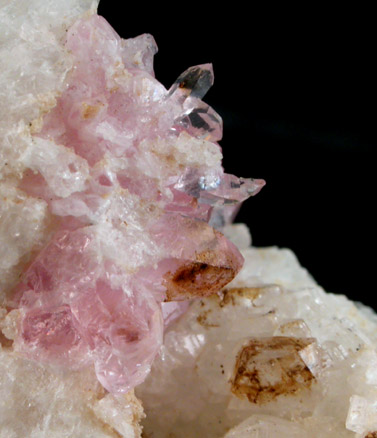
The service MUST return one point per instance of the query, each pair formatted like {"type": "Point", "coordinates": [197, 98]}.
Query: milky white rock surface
{"type": "Point", "coordinates": [38, 401]}
{"type": "Point", "coordinates": [271, 355]}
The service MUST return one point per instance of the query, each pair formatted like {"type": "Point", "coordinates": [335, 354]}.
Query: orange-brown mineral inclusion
{"type": "Point", "coordinates": [267, 368]}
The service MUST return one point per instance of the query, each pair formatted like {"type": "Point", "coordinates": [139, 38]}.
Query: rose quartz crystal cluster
{"type": "Point", "coordinates": [132, 176]}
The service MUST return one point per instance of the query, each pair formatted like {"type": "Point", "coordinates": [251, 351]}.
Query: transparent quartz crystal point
{"type": "Point", "coordinates": [200, 120]}
{"type": "Point", "coordinates": [194, 82]}
{"type": "Point", "coordinates": [219, 190]}
{"type": "Point", "coordinates": [196, 117]}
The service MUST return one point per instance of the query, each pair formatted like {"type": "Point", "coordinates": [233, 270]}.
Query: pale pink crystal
{"type": "Point", "coordinates": [172, 310]}
{"type": "Point", "coordinates": [74, 314]}
{"type": "Point", "coordinates": [133, 176]}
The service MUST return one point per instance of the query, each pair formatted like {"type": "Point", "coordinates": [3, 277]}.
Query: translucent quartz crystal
{"type": "Point", "coordinates": [129, 183]}
{"type": "Point", "coordinates": [271, 355]}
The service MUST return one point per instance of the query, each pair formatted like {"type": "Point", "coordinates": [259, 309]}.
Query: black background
{"type": "Point", "coordinates": [296, 90]}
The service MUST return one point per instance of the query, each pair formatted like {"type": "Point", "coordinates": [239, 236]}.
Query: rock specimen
{"type": "Point", "coordinates": [113, 208]}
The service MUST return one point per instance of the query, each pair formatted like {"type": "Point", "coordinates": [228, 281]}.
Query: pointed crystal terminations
{"type": "Point", "coordinates": [200, 120]}
{"type": "Point", "coordinates": [219, 190]}
{"type": "Point", "coordinates": [196, 118]}
{"type": "Point", "coordinates": [194, 82]}
{"type": "Point", "coordinates": [132, 179]}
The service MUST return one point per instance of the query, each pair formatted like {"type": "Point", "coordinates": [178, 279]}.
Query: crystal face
{"type": "Point", "coordinates": [131, 175]}
{"type": "Point", "coordinates": [120, 268]}
{"type": "Point", "coordinates": [271, 355]}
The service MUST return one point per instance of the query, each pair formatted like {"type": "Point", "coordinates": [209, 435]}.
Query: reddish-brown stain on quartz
{"type": "Point", "coordinates": [5, 342]}
{"type": "Point", "coordinates": [202, 319]}
{"type": "Point", "coordinates": [90, 111]}
{"type": "Point", "coordinates": [267, 368]}
{"type": "Point", "coordinates": [371, 435]}
{"type": "Point", "coordinates": [197, 279]}
{"type": "Point", "coordinates": [228, 296]}
{"type": "Point", "coordinates": [200, 278]}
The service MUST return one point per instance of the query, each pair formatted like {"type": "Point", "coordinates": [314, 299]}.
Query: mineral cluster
{"type": "Point", "coordinates": [130, 175]}
{"type": "Point", "coordinates": [114, 211]}
{"type": "Point", "coordinates": [271, 355]}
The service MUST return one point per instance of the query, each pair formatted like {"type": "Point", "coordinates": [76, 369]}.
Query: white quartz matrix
{"type": "Point", "coordinates": [272, 355]}
{"type": "Point", "coordinates": [110, 185]}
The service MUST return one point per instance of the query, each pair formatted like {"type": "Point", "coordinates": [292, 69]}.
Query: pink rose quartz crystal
{"type": "Point", "coordinates": [132, 175]}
